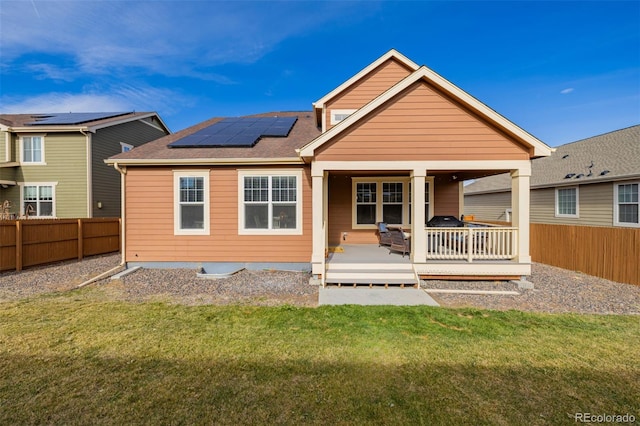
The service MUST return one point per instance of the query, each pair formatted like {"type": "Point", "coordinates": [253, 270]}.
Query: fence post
{"type": "Point", "coordinates": [80, 240]}
{"type": "Point", "coordinates": [18, 246]}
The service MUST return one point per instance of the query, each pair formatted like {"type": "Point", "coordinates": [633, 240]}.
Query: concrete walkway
{"type": "Point", "coordinates": [374, 296]}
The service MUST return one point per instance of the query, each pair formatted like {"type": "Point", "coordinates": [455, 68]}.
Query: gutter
{"type": "Point", "coordinates": [204, 161]}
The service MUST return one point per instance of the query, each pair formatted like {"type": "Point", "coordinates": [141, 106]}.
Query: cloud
{"type": "Point", "coordinates": [117, 98]}
{"type": "Point", "coordinates": [186, 38]}
{"type": "Point", "coordinates": [567, 90]}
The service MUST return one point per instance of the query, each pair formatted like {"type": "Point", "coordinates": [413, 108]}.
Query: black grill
{"type": "Point", "coordinates": [445, 222]}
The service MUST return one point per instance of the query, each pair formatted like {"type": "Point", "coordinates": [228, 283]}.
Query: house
{"type": "Point", "coordinates": [591, 182]}
{"type": "Point", "coordinates": [52, 165]}
{"type": "Point", "coordinates": [393, 143]}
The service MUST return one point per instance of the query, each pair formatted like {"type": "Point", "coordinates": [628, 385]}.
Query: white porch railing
{"type": "Point", "coordinates": [472, 243]}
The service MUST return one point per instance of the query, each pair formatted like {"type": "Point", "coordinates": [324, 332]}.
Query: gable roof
{"type": "Point", "coordinates": [391, 54]}
{"type": "Point", "coordinates": [76, 121]}
{"type": "Point", "coordinates": [539, 148]}
{"type": "Point", "coordinates": [267, 150]}
{"type": "Point", "coordinates": [617, 151]}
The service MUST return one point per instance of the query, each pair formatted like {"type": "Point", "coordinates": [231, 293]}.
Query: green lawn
{"type": "Point", "coordinates": [75, 359]}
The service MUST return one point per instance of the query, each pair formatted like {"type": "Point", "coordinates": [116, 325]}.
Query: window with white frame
{"type": "Point", "coordinates": [627, 204]}
{"type": "Point", "coordinates": [191, 202]}
{"type": "Point", "coordinates": [392, 206]}
{"type": "Point", "coordinates": [32, 149]}
{"type": "Point", "coordinates": [385, 199]}
{"type": "Point", "coordinates": [366, 203]}
{"type": "Point", "coordinates": [125, 147]}
{"type": "Point", "coordinates": [270, 202]}
{"type": "Point", "coordinates": [337, 115]}
{"type": "Point", "coordinates": [38, 200]}
{"type": "Point", "coordinates": [567, 202]}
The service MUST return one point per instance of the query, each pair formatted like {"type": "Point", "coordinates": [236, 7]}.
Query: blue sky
{"type": "Point", "coordinates": [563, 71]}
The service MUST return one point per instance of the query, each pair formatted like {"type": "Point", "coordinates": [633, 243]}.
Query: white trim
{"type": "Point", "coordinates": [42, 161]}
{"type": "Point", "coordinates": [557, 203]}
{"type": "Point", "coordinates": [524, 166]}
{"type": "Point", "coordinates": [125, 145]}
{"type": "Point", "coordinates": [333, 121]}
{"type": "Point", "coordinates": [119, 120]}
{"type": "Point", "coordinates": [7, 146]}
{"type": "Point", "coordinates": [616, 205]}
{"type": "Point", "coordinates": [39, 184]}
{"type": "Point", "coordinates": [88, 137]}
{"type": "Point", "coordinates": [297, 173]}
{"type": "Point", "coordinates": [540, 148]}
{"type": "Point", "coordinates": [177, 174]}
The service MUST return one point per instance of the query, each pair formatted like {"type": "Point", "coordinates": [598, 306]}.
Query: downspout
{"type": "Point", "coordinates": [89, 174]}
{"type": "Point", "coordinates": [123, 174]}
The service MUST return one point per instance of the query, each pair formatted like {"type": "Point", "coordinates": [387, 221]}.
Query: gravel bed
{"type": "Point", "coordinates": [555, 290]}
{"type": "Point", "coordinates": [54, 277]}
{"type": "Point", "coordinates": [261, 288]}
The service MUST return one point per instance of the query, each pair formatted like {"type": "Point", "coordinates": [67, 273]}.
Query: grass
{"type": "Point", "coordinates": [76, 359]}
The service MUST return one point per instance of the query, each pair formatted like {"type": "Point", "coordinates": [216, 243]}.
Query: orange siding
{"type": "Point", "coordinates": [422, 124]}
{"type": "Point", "coordinates": [368, 88]}
{"type": "Point", "coordinates": [445, 197]}
{"type": "Point", "coordinates": [149, 223]}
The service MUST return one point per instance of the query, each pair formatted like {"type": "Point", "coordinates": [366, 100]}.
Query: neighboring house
{"type": "Point", "coordinates": [52, 165]}
{"type": "Point", "coordinates": [393, 143]}
{"type": "Point", "coordinates": [591, 182]}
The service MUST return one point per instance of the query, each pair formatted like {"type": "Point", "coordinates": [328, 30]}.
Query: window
{"type": "Point", "coordinates": [392, 203]}
{"type": "Point", "coordinates": [385, 199]}
{"type": "Point", "coordinates": [626, 204]}
{"type": "Point", "coordinates": [37, 200]}
{"type": "Point", "coordinates": [366, 195]}
{"type": "Point", "coordinates": [125, 147]}
{"type": "Point", "coordinates": [270, 203]}
{"type": "Point", "coordinates": [567, 202]}
{"type": "Point", "coordinates": [337, 115]}
{"type": "Point", "coordinates": [191, 202]}
{"type": "Point", "coordinates": [32, 149]}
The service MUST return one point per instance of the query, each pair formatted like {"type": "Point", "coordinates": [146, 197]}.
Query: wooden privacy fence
{"type": "Point", "coordinates": [31, 242]}
{"type": "Point", "coordinates": [611, 253]}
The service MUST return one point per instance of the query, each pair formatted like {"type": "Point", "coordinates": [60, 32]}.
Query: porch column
{"type": "Point", "coordinates": [520, 211]}
{"type": "Point", "coordinates": [318, 184]}
{"type": "Point", "coordinates": [418, 236]}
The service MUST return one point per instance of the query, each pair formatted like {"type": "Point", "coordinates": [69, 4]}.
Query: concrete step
{"type": "Point", "coordinates": [370, 282]}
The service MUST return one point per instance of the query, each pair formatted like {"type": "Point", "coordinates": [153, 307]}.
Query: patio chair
{"type": "Point", "coordinates": [383, 234]}
{"type": "Point", "coordinates": [399, 241]}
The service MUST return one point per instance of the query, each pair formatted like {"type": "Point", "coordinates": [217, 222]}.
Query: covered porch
{"type": "Point", "coordinates": [344, 215]}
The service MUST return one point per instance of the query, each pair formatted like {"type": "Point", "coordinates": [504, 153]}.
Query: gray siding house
{"type": "Point", "coordinates": [52, 165]}
{"type": "Point", "coordinates": [591, 182]}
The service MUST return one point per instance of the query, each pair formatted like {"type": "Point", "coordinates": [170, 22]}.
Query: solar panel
{"type": "Point", "coordinates": [72, 117]}
{"type": "Point", "coordinates": [237, 132]}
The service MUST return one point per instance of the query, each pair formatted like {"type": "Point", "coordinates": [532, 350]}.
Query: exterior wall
{"type": "Point", "coordinates": [595, 206]}
{"type": "Point", "coordinates": [421, 124]}
{"type": "Point", "coordinates": [149, 223]}
{"type": "Point", "coordinates": [489, 206]}
{"type": "Point", "coordinates": [341, 209]}
{"type": "Point", "coordinates": [3, 147]}
{"type": "Point", "coordinates": [65, 156]}
{"type": "Point", "coordinates": [368, 88]}
{"type": "Point", "coordinates": [106, 179]}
